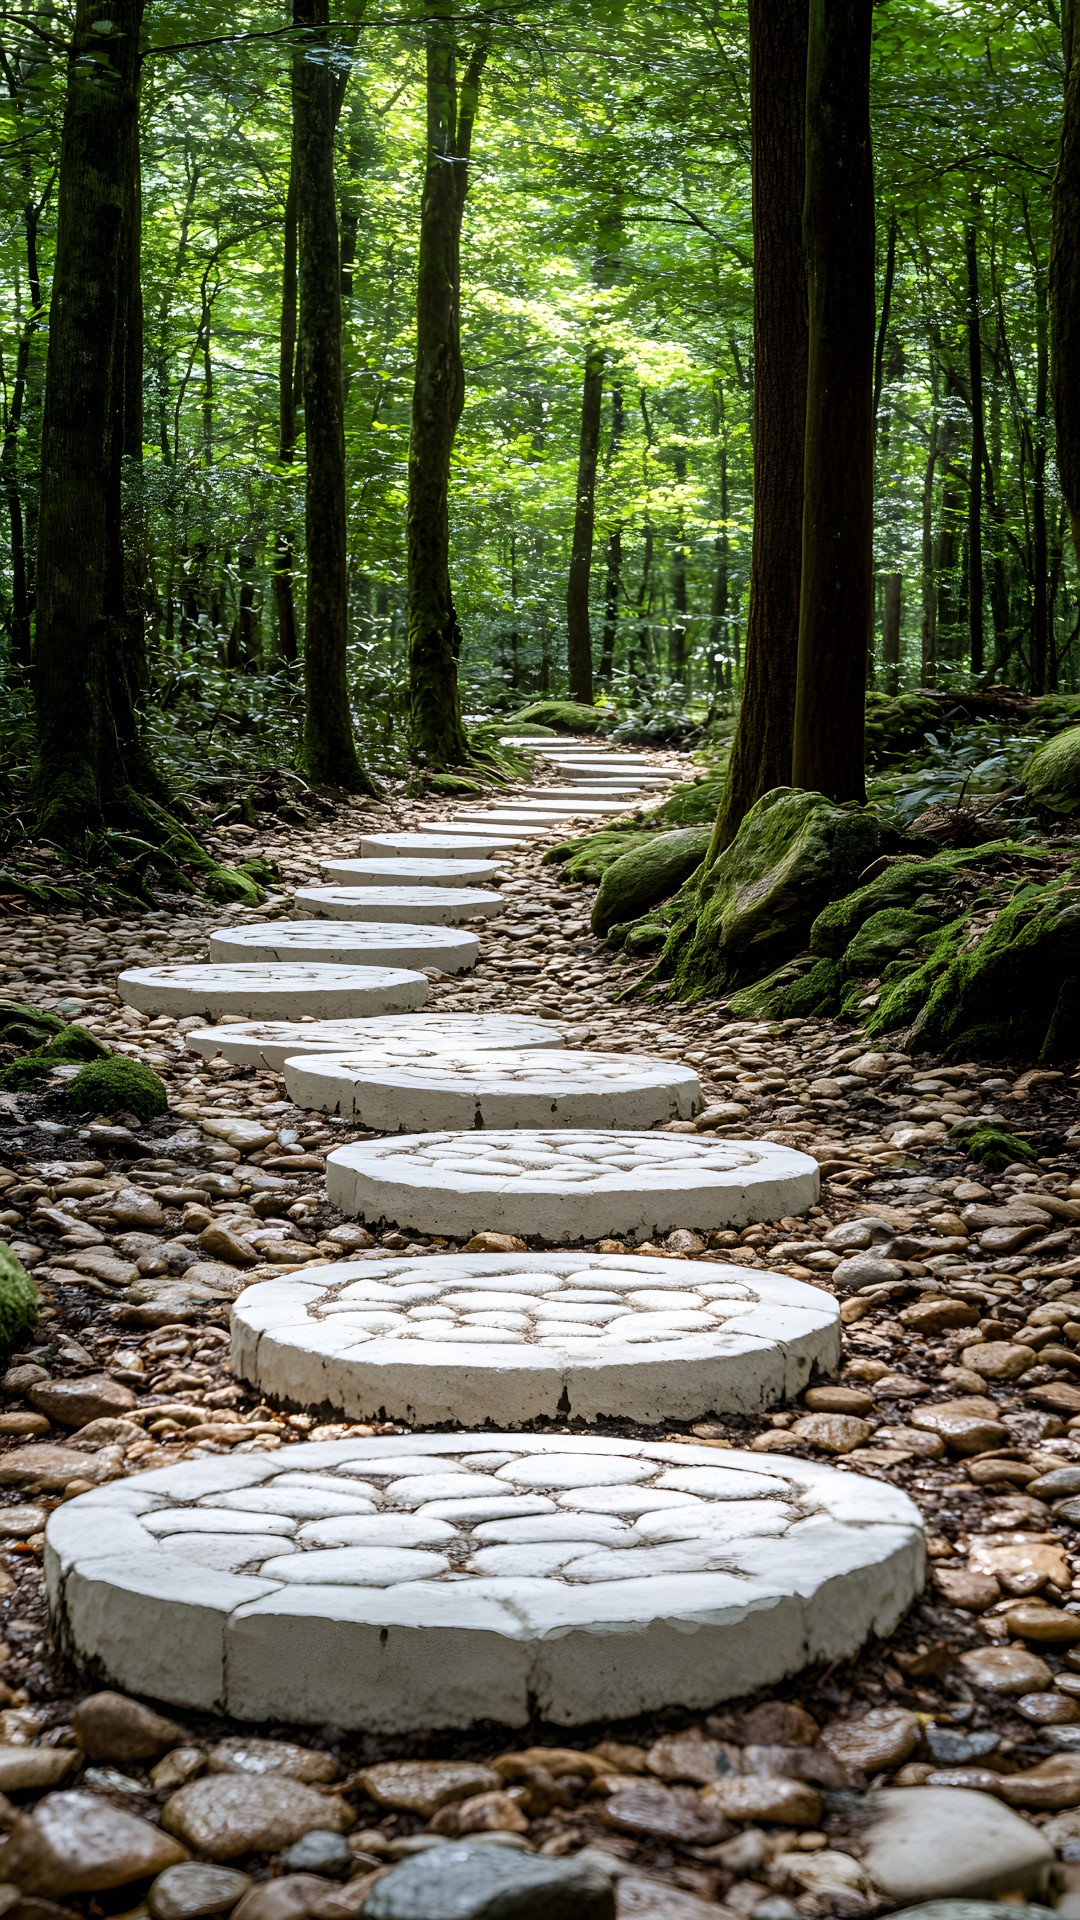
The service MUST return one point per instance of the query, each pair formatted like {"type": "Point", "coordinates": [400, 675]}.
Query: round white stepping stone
{"type": "Point", "coordinates": [419, 906]}
{"type": "Point", "coordinates": [427, 1580]}
{"type": "Point", "coordinates": [270, 1043]}
{"type": "Point", "coordinates": [367, 944]}
{"type": "Point", "coordinates": [491, 1337]}
{"type": "Point", "coordinates": [269, 991]}
{"type": "Point", "coordinates": [434, 846]}
{"type": "Point", "coordinates": [569, 1186]}
{"type": "Point", "coordinates": [467, 874]}
{"type": "Point", "coordinates": [533, 1088]}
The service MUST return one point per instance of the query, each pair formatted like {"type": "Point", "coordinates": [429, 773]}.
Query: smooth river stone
{"type": "Point", "coordinates": [570, 1185]}
{"type": "Point", "coordinates": [359, 943]}
{"type": "Point", "coordinates": [272, 992]}
{"type": "Point", "coordinates": [695, 1597]}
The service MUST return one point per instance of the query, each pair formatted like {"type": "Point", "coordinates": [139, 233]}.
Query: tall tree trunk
{"type": "Point", "coordinates": [1040, 646]}
{"type": "Point", "coordinates": [284, 602]}
{"type": "Point", "coordinates": [578, 632]}
{"type": "Point", "coordinates": [678, 636]}
{"type": "Point", "coordinates": [761, 750]}
{"type": "Point", "coordinates": [976, 591]}
{"type": "Point", "coordinates": [21, 590]}
{"type": "Point", "coordinates": [1065, 277]}
{"type": "Point", "coordinates": [81, 611]}
{"type": "Point", "coordinates": [890, 630]}
{"type": "Point", "coordinates": [329, 750]}
{"type": "Point", "coordinates": [613, 551]}
{"type": "Point", "coordinates": [838, 507]}
{"type": "Point", "coordinates": [435, 724]}
{"type": "Point", "coordinates": [718, 607]}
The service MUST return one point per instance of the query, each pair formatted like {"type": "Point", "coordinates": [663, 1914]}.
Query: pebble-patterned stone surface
{"type": "Point", "coordinates": [506, 1088]}
{"type": "Point", "coordinates": [419, 906]}
{"type": "Point", "coordinates": [441, 1580]}
{"type": "Point", "coordinates": [253, 990]}
{"type": "Point", "coordinates": [391, 872]}
{"type": "Point", "coordinates": [367, 944]}
{"type": "Point", "coordinates": [269, 1043]}
{"type": "Point", "coordinates": [568, 1186]}
{"type": "Point", "coordinates": [430, 845]}
{"type": "Point", "coordinates": [506, 1338]}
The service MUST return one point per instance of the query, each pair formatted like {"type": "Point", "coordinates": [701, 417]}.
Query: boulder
{"type": "Point", "coordinates": [1015, 993]}
{"type": "Point", "coordinates": [1052, 775]}
{"type": "Point", "coordinates": [649, 873]}
{"type": "Point", "coordinates": [562, 716]}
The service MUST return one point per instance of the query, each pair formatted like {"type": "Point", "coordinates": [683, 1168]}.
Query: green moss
{"type": "Point", "coordinates": [563, 716]}
{"type": "Point", "coordinates": [1000, 997]}
{"type": "Point", "coordinates": [898, 723]}
{"type": "Point", "coordinates": [647, 874]}
{"type": "Point", "coordinates": [19, 1300]}
{"type": "Point", "coordinates": [916, 884]}
{"type": "Point", "coordinates": [453, 783]}
{"type": "Point", "coordinates": [766, 999]}
{"type": "Point", "coordinates": [586, 861]}
{"type": "Point", "coordinates": [991, 1146]}
{"type": "Point", "coordinates": [757, 901]}
{"type": "Point", "coordinates": [75, 1043]}
{"type": "Point", "coordinates": [26, 1075]}
{"type": "Point", "coordinates": [883, 937]}
{"type": "Point", "coordinates": [689, 806]}
{"type": "Point", "coordinates": [906, 990]}
{"type": "Point", "coordinates": [23, 1026]}
{"type": "Point", "coordinates": [1052, 775]}
{"type": "Point", "coordinates": [118, 1086]}
{"type": "Point", "coordinates": [229, 883]}
{"type": "Point", "coordinates": [646, 935]}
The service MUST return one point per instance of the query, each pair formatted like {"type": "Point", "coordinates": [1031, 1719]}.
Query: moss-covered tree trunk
{"type": "Point", "coordinates": [329, 750]}
{"type": "Point", "coordinates": [579, 664]}
{"type": "Point", "coordinates": [284, 601]}
{"type": "Point", "coordinates": [1065, 277]}
{"type": "Point", "coordinates": [761, 750]}
{"type": "Point", "coordinates": [437, 734]}
{"type": "Point", "coordinates": [836, 594]}
{"type": "Point", "coordinates": [82, 635]}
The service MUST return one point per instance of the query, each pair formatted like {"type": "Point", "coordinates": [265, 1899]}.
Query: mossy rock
{"type": "Point", "coordinates": [586, 861]}
{"type": "Point", "coordinates": [230, 883]}
{"type": "Point", "coordinates": [454, 783]}
{"type": "Point", "coordinates": [26, 1075]}
{"type": "Point", "coordinates": [756, 903]}
{"type": "Point", "coordinates": [646, 935]}
{"type": "Point", "coordinates": [26, 1027]}
{"type": "Point", "coordinates": [689, 806]}
{"type": "Point", "coordinates": [562, 716]}
{"type": "Point", "coordinates": [883, 937]}
{"type": "Point", "coordinates": [991, 1146]}
{"type": "Point", "coordinates": [648, 874]}
{"type": "Point", "coordinates": [896, 724]}
{"type": "Point", "coordinates": [906, 883]}
{"type": "Point", "coordinates": [66, 1048]}
{"type": "Point", "coordinates": [19, 1300]}
{"type": "Point", "coordinates": [118, 1086]}
{"type": "Point", "coordinates": [1052, 775]}
{"type": "Point", "coordinates": [766, 999]}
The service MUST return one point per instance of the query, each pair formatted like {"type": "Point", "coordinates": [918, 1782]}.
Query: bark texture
{"type": "Point", "coordinates": [1065, 279]}
{"type": "Point", "coordinates": [579, 665]}
{"type": "Point", "coordinates": [436, 730]}
{"type": "Point", "coordinates": [761, 750]}
{"type": "Point", "coordinates": [836, 597]}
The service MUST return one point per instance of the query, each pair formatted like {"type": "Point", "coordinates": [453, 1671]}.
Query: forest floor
{"type": "Point", "coordinates": [960, 1384]}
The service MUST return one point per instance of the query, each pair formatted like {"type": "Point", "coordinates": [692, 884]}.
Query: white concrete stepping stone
{"type": "Point", "coordinates": [418, 906]}
{"type": "Point", "coordinates": [569, 1186]}
{"type": "Point", "coordinates": [531, 1088]}
{"type": "Point", "coordinates": [365, 943]}
{"type": "Point", "coordinates": [484, 1338]}
{"type": "Point", "coordinates": [435, 846]}
{"type": "Point", "coordinates": [269, 992]}
{"type": "Point", "coordinates": [413, 873]}
{"type": "Point", "coordinates": [427, 1580]}
{"type": "Point", "coordinates": [269, 1043]}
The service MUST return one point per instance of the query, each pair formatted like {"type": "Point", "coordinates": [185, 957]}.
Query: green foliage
{"type": "Point", "coordinates": [19, 1300]}
{"type": "Point", "coordinates": [1052, 775]}
{"type": "Point", "coordinates": [991, 1146]}
{"type": "Point", "coordinates": [118, 1086]}
{"type": "Point", "coordinates": [643, 877]}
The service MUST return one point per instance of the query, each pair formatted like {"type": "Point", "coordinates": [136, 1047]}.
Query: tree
{"type": "Point", "coordinates": [761, 749]}
{"type": "Point", "coordinates": [436, 728]}
{"type": "Point", "coordinates": [579, 661]}
{"type": "Point", "coordinates": [836, 591]}
{"type": "Point", "coordinates": [1065, 277]}
{"type": "Point", "coordinates": [329, 750]}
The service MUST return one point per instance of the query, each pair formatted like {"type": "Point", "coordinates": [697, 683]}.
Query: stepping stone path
{"type": "Point", "coordinates": [441, 1580]}
{"type": "Point", "coordinates": [270, 1043]}
{"type": "Point", "coordinates": [419, 906]}
{"type": "Point", "coordinates": [285, 990]}
{"type": "Point", "coordinates": [412, 873]}
{"type": "Point", "coordinates": [445, 1579]}
{"type": "Point", "coordinates": [366, 944]}
{"type": "Point", "coordinates": [569, 1186]}
{"type": "Point", "coordinates": [504, 1089]}
{"type": "Point", "coordinates": [474, 1338]}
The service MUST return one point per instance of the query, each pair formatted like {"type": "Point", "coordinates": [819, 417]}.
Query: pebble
{"type": "Point", "coordinates": [1008, 1670]}
{"type": "Point", "coordinates": [80, 1843]}
{"type": "Point", "coordinates": [49, 1469]}
{"type": "Point", "coordinates": [832, 1432]}
{"type": "Point", "coordinates": [787, 1803]}
{"type": "Point", "coordinates": [473, 1882]}
{"type": "Point", "coordinates": [922, 1842]}
{"type": "Point", "coordinates": [110, 1726]}
{"type": "Point", "coordinates": [884, 1737]}
{"type": "Point", "coordinates": [318, 1852]}
{"type": "Point", "coordinates": [31, 1769]}
{"type": "Point", "coordinates": [423, 1786]}
{"type": "Point", "coordinates": [192, 1889]}
{"type": "Point", "coordinates": [1035, 1621]}
{"type": "Point", "coordinates": [226, 1815]}
{"type": "Point", "coordinates": [261, 1757]}
{"type": "Point", "coordinates": [676, 1814]}
{"type": "Point", "coordinates": [865, 1270]}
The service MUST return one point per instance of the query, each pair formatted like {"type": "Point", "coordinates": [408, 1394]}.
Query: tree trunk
{"type": "Point", "coordinates": [329, 751]}
{"type": "Point", "coordinates": [761, 750]}
{"type": "Point", "coordinates": [838, 506]}
{"type": "Point", "coordinates": [890, 630]}
{"type": "Point", "coordinates": [578, 632]}
{"type": "Point", "coordinates": [976, 592]}
{"type": "Point", "coordinates": [1065, 277]}
{"type": "Point", "coordinates": [613, 552]}
{"type": "Point", "coordinates": [437, 734]}
{"type": "Point", "coordinates": [21, 593]}
{"type": "Point", "coordinates": [284, 603]}
{"type": "Point", "coordinates": [81, 608]}
{"type": "Point", "coordinates": [928, 659]}
{"type": "Point", "coordinates": [678, 637]}
{"type": "Point", "coordinates": [1040, 644]}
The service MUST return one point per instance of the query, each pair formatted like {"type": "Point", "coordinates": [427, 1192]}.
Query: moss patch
{"type": "Point", "coordinates": [118, 1086]}
{"type": "Point", "coordinates": [1000, 998]}
{"type": "Point", "coordinates": [19, 1300]}
{"type": "Point", "coordinates": [991, 1146]}
{"type": "Point", "coordinates": [1052, 775]}
{"type": "Point", "coordinates": [562, 716]}
{"type": "Point", "coordinates": [586, 861]}
{"type": "Point", "coordinates": [648, 874]}
{"type": "Point", "coordinates": [26, 1027]}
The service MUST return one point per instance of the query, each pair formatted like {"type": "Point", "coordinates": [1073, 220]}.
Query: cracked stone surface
{"type": "Point", "coordinates": [390, 872]}
{"type": "Point", "coordinates": [476, 1338]}
{"type": "Point", "coordinates": [253, 989]}
{"type": "Point", "coordinates": [269, 1043]}
{"type": "Point", "coordinates": [507, 1088]}
{"type": "Point", "coordinates": [438, 1580]}
{"type": "Point", "coordinates": [367, 943]}
{"type": "Point", "coordinates": [420, 906]}
{"type": "Point", "coordinates": [568, 1186]}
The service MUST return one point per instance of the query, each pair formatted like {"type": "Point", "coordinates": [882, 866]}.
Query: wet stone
{"type": "Point", "coordinates": [73, 1403]}
{"type": "Point", "coordinates": [423, 1786]}
{"type": "Point", "coordinates": [476, 1882]}
{"type": "Point", "coordinates": [110, 1726]}
{"type": "Point", "coordinates": [193, 1889]}
{"type": "Point", "coordinates": [78, 1843]}
{"type": "Point", "coordinates": [226, 1815]}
